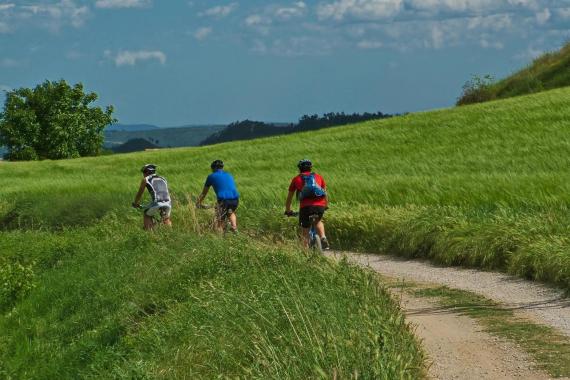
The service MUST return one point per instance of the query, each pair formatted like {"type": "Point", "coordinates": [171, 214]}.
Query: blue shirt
{"type": "Point", "coordinates": [223, 184]}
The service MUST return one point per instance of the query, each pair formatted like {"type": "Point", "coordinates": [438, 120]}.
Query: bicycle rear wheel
{"type": "Point", "coordinates": [316, 244]}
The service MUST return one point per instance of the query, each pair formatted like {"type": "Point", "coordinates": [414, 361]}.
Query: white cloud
{"type": "Point", "coordinates": [4, 7]}
{"type": "Point", "coordinates": [219, 11]}
{"type": "Point", "coordinates": [369, 44]}
{"type": "Point", "coordinates": [564, 13]}
{"type": "Point", "coordinates": [130, 58]}
{"type": "Point", "coordinates": [489, 44]}
{"type": "Point", "coordinates": [112, 4]}
{"type": "Point", "coordinates": [360, 9]}
{"type": "Point", "coordinates": [529, 54]}
{"type": "Point", "coordinates": [202, 33]}
{"type": "Point", "coordinates": [452, 5]}
{"type": "Point", "coordinates": [298, 9]}
{"type": "Point", "coordinates": [256, 20]}
{"type": "Point", "coordinates": [297, 46]}
{"type": "Point", "coordinates": [543, 16]}
{"type": "Point", "coordinates": [494, 22]}
{"type": "Point", "coordinates": [55, 15]}
{"type": "Point", "coordinates": [437, 37]}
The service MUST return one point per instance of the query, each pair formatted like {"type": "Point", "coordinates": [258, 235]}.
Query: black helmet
{"type": "Point", "coordinates": [218, 164]}
{"type": "Point", "coordinates": [305, 165]}
{"type": "Point", "coordinates": [149, 168]}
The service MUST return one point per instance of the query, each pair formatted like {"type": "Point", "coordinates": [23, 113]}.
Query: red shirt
{"type": "Point", "coordinates": [297, 185]}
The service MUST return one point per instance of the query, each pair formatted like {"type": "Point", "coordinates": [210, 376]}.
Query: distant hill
{"type": "Point", "coordinates": [163, 137]}
{"type": "Point", "coordinates": [248, 129]}
{"type": "Point", "coordinates": [550, 71]}
{"type": "Point", "coordinates": [131, 127]}
{"type": "Point", "coordinates": [134, 145]}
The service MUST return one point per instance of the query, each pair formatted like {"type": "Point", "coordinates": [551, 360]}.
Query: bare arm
{"type": "Point", "coordinates": [289, 201]}
{"type": "Point", "coordinates": [202, 196]}
{"type": "Point", "coordinates": [140, 193]}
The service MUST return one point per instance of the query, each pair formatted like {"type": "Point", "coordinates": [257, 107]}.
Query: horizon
{"type": "Point", "coordinates": [213, 63]}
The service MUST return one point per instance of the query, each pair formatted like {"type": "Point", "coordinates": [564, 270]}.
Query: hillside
{"type": "Point", "coordinates": [163, 137]}
{"type": "Point", "coordinates": [485, 185]}
{"type": "Point", "coordinates": [550, 71]}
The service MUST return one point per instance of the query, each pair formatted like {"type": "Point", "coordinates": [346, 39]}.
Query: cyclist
{"type": "Point", "coordinates": [311, 190]}
{"type": "Point", "coordinates": [158, 189]}
{"type": "Point", "coordinates": [226, 194]}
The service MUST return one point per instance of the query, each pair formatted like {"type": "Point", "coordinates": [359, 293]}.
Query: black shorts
{"type": "Point", "coordinates": [306, 212]}
{"type": "Point", "coordinates": [227, 207]}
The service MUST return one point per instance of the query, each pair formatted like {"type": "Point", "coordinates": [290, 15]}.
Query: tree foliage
{"type": "Point", "coordinates": [477, 90]}
{"type": "Point", "coordinates": [52, 121]}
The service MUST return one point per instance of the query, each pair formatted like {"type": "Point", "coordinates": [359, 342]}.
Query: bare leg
{"type": "Point", "coordinates": [320, 227]}
{"type": "Point", "coordinates": [167, 222]}
{"type": "Point", "coordinates": [233, 221]}
{"type": "Point", "coordinates": [148, 223]}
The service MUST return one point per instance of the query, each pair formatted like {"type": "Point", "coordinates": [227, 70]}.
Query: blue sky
{"type": "Point", "coordinates": [172, 62]}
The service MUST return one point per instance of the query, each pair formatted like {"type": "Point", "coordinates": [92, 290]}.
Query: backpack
{"type": "Point", "coordinates": [311, 189]}
{"type": "Point", "coordinates": [158, 188]}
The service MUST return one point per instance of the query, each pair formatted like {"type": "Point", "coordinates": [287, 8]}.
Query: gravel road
{"type": "Point", "coordinates": [538, 302]}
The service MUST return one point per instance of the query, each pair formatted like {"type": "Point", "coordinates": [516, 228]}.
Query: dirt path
{"type": "Point", "coordinates": [535, 301]}
{"type": "Point", "coordinates": [456, 345]}
{"type": "Point", "coordinates": [458, 349]}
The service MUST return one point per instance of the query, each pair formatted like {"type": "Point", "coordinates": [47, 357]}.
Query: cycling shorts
{"type": "Point", "coordinates": [159, 208]}
{"type": "Point", "coordinates": [226, 207]}
{"type": "Point", "coordinates": [306, 212]}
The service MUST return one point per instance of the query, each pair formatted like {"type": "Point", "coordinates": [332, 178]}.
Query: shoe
{"type": "Point", "coordinates": [325, 244]}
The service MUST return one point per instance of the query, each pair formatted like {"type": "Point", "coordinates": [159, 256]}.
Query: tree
{"type": "Point", "coordinates": [52, 121]}
{"type": "Point", "coordinates": [477, 90]}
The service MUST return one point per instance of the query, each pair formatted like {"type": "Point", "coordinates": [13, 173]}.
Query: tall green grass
{"type": "Point", "coordinates": [110, 301]}
{"type": "Point", "coordinates": [485, 185]}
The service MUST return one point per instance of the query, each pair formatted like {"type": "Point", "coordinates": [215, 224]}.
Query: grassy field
{"type": "Point", "coordinates": [86, 292]}
{"type": "Point", "coordinates": [486, 185]}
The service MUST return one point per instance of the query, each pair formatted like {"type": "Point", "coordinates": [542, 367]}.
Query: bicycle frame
{"type": "Point", "coordinates": [314, 238]}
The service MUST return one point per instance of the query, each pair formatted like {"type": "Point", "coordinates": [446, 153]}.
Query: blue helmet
{"type": "Point", "coordinates": [305, 165]}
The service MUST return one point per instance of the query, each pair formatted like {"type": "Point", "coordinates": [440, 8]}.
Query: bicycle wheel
{"type": "Point", "coordinates": [316, 244]}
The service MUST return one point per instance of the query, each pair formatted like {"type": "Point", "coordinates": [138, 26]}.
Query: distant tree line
{"type": "Point", "coordinates": [250, 129]}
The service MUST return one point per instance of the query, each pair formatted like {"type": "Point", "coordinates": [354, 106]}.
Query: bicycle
{"type": "Point", "coordinates": [314, 239]}
{"type": "Point", "coordinates": [225, 217]}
